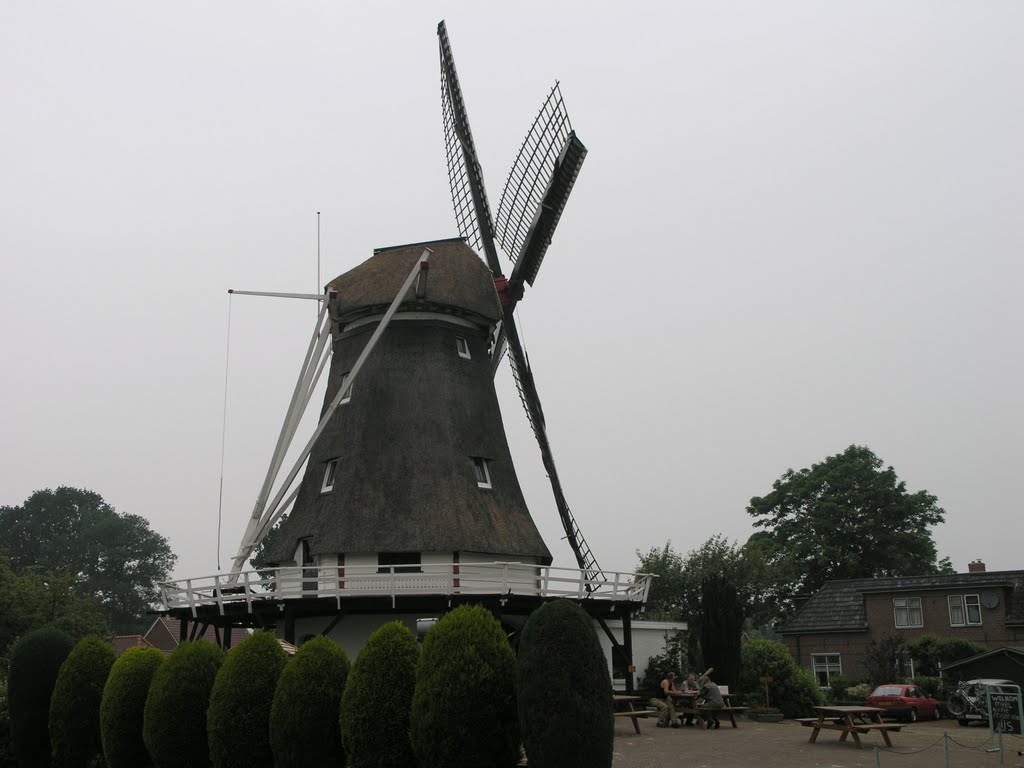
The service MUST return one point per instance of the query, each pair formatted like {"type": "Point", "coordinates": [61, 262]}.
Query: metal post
{"type": "Point", "coordinates": [945, 748]}
{"type": "Point", "coordinates": [878, 757]}
{"type": "Point", "coordinates": [1002, 755]}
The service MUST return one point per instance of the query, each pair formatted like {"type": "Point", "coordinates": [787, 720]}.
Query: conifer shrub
{"type": "Point", "coordinates": [563, 690]}
{"type": "Point", "coordinates": [75, 704]}
{"type": "Point", "coordinates": [377, 699]}
{"type": "Point", "coordinates": [307, 703]}
{"type": "Point", "coordinates": [793, 689]}
{"type": "Point", "coordinates": [122, 705]}
{"type": "Point", "coordinates": [174, 719]}
{"type": "Point", "coordinates": [35, 663]}
{"type": "Point", "coordinates": [464, 706]}
{"type": "Point", "coordinates": [238, 720]}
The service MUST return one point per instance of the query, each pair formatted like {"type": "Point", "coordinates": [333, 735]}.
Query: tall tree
{"type": "Point", "coordinates": [113, 557]}
{"type": "Point", "coordinates": [847, 517]}
{"type": "Point", "coordinates": [721, 627]}
{"type": "Point", "coordinates": [676, 593]}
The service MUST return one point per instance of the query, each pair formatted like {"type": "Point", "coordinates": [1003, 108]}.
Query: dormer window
{"type": "Point", "coordinates": [330, 473]}
{"type": "Point", "coordinates": [483, 472]}
{"type": "Point", "coordinates": [463, 346]}
{"type": "Point", "coordinates": [344, 381]}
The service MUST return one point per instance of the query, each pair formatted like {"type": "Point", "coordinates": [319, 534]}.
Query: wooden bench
{"type": "Point", "coordinates": [634, 715]}
{"type": "Point", "coordinates": [846, 729]}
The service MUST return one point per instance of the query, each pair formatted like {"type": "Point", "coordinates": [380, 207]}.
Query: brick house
{"type": "Point", "coordinates": [829, 633]}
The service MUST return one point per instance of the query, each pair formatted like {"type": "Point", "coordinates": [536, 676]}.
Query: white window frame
{"type": "Point", "coordinates": [908, 606]}
{"type": "Point", "coordinates": [462, 345]}
{"type": "Point", "coordinates": [330, 476]}
{"type": "Point", "coordinates": [827, 666]}
{"type": "Point", "coordinates": [969, 608]}
{"type": "Point", "coordinates": [482, 472]}
{"type": "Point", "coordinates": [347, 398]}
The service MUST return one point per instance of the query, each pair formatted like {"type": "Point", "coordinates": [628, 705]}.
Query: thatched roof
{"type": "Point", "coordinates": [457, 279]}
{"type": "Point", "coordinates": [418, 415]}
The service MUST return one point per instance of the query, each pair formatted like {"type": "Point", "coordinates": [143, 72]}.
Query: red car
{"type": "Point", "coordinates": [907, 702]}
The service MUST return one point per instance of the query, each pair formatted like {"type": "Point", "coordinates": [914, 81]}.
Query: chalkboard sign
{"type": "Point", "coordinates": [1005, 712]}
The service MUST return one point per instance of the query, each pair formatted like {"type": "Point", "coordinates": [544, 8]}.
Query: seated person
{"type": "Point", "coordinates": [690, 686]}
{"type": "Point", "coordinates": [664, 703]}
{"type": "Point", "coordinates": [712, 700]}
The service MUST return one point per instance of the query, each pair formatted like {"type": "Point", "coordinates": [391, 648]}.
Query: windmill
{"type": "Point", "coordinates": [535, 194]}
{"type": "Point", "coordinates": [405, 499]}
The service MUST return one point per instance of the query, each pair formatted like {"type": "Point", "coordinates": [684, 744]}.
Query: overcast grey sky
{"type": "Point", "coordinates": [799, 227]}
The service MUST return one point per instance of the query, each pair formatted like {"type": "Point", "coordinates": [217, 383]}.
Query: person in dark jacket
{"type": "Point", "coordinates": [664, 702]}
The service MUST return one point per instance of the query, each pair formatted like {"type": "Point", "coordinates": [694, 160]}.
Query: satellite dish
{"type": "Point", "coordinates": [990, 599]}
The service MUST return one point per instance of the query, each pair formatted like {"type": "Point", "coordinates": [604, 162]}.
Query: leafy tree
{"type": "Point", "coordinates": [882, 659]}
{"type": "Point", "coordinates": [377, 700]}
{"type": "Point", "coordinates": [793, 689]}
{"type": "Point", "coordinates": [845, 518]}
{"type": "Point", "coordinates": [676, 593]}
{"type": "Point", "coordinates": [721, 627]}
{"type": "Point", "coordinates": [307, 703]}
{"type": "Point", "coordinates": [238, 720]}
{"type": "Point", "coordinates": [32, 599]}
{"type": "Point", "coordinates": [562, 686]}
{"type": "Point", "coordinates": [122, 706]}
{"type": "Point", "coordinates": [36, 659]}
{"type": "Point", "coordinates": [930, 652]}
{"type": "Point", "coordinates": [174, 719]}
{"type": "Point", "coordinates": [464, 705]}
{"type": "Point", "coordinates": [112, 557]}
{"type": "Point", "coordinates": [75, 704]}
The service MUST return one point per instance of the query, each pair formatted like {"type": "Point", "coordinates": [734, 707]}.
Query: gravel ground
{"type": "Point", "coordinates": [785, 745]}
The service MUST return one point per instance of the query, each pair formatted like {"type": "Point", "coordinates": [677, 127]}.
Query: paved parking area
{"type": "Point", "coordinates": [784, 745]}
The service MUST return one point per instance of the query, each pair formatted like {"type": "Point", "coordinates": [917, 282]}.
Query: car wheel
{"type": "Point", "coordinates": [935, 714]}
{"type": "Point", "coordinates": [912, 716]}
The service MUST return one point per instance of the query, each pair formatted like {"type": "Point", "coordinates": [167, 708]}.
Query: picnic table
{"type": "Point", "coordinates": [630, 711]}
{"type": "Point", "coordinates": [687, 706]}
{"type": "Point", "coordinates": [849, 721]}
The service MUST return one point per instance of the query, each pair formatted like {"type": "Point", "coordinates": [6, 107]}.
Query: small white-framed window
{"type": "Point", "coordinates": [964, 610]}
{"type": "Point", "coordinates": [826, 666]}
{"type": "Point", "coordinates": [344, 380]}
{"type": "Point", "coordinates": [483, 472]}
{"type": "Point", "coordinates": [463, 346]}
{"type": "Point", "coordinates": [907, 611]}
{"type": "Point", "coordinates": [330, 475]}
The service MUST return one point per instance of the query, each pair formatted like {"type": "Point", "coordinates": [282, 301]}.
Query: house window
{"type": "Point", "coordinates": [826, 666]}
{"type": "Point", "coordinates": [483, 472]}
{"type": "Point", "coordinates": [964, 610]}
{"type": "Point", "coordinates": [344, 381]}
{"type": "Point", "coordinates": [330, 473]}
{"type": "Point", "coordinates": [908, 611]}
{"type": "Point", "coordinates": [400, 562]}
{"type": "Point", "coordinates": [463, 346]}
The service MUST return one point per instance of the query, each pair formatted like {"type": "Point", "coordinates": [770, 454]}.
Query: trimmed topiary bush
{"type": "Point", "coordinates": [793, 689]}
{"type": "Point", "coordinates": [377, 699]}
{"type": "Point", "coordinates": [124, 701]}
{"type": "Point", "coordinates": [174, 720]}
{"type": "Point", "coordinates": [35, 662]}
{"type": "Point", "coordinates": [464, 706]}
{"type": "Point", "coordinates": [238, 720]}
{"type": "Point", "coordinates": [563, 690]}
{"type": "Point", "coordinates": [75, 704]}
{"type": "Point", "coordinates": [304, 716]}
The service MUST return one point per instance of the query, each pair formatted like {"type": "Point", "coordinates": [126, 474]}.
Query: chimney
{"type": "Point", "coordinates": [976, 566]}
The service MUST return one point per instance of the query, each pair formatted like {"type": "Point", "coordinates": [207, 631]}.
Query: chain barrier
{"type": "Point", "coordinates": [1009, 743]}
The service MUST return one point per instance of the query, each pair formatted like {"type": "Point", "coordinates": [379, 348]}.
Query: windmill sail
{"type": "Point", "coordinates": [472, 211]}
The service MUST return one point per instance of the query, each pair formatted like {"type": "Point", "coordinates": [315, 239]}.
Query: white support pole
{"type": "Point", "coordinates": [280, 447]}
{"type": "Point", "coordinates": [264, 528]}
{"type": "Point", "coordinates": [276, 294]}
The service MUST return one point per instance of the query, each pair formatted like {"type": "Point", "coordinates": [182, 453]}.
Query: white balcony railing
{"type": "Point", "coordinates": [506, 579]}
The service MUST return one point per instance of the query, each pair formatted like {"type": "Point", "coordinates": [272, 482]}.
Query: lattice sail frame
{"type": "Point", "coordinates": [533, 168]}
{"type": "Point", "coordinates": [458, 146]}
